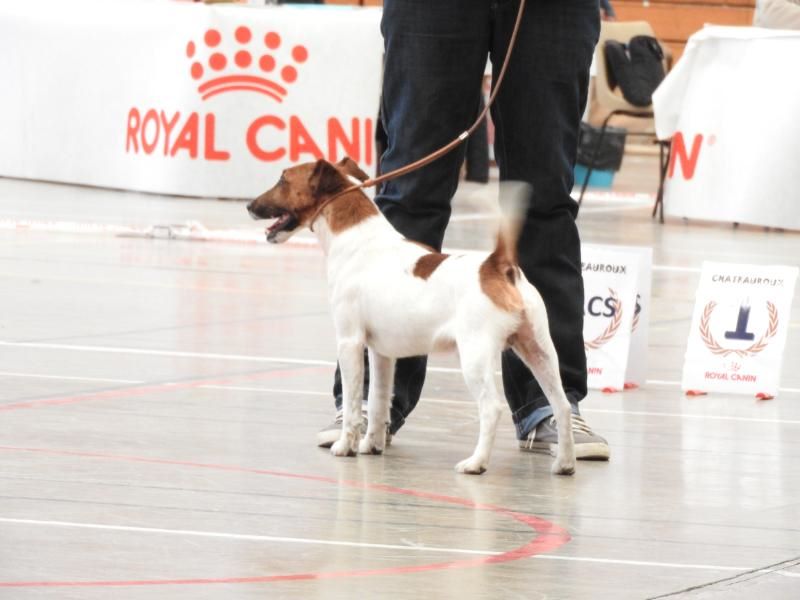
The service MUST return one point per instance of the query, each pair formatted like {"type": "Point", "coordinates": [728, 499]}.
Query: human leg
{"type": "Point", "coordinates": [435, 55]}
{"type": "Point", "coordinates": [477, 150]}
{"type": "Point", "coordinates": [537, 116]}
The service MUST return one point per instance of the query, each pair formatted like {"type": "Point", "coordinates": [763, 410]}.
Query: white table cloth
{"type": "Point", "coordinates": [732, 107]}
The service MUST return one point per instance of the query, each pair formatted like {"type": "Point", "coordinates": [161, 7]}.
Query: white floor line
{"type": "Point", "coordinates": [677, 269]}
{"type": "Point", "coordinates": [249, 358]}
{"type": "Point", "coordinates": [242, 537]}
{"type": "Point", "coordinates": [69, 377]}
{"type": "Point", "coordinates": [236, 388]}
{"type": "Point", "coordinates": [592, 210]}
{"type": "Point", "coordinates": [788, 390]}
{"type": "Point", "coordinates": [467, 402]}
{"type": "Point", "coordinates": [170, 353]}
{"type": "Point", "coordinates": [609, 197]}
{"type": "Point", "coordinates": [203, 355]}
{"type": "Point", "coordinates": [645, 563]}
{"type": "Point", "coordinates": [255, 236]}
{"type": "Point", "coordinates": [403, 547]}
{"type": "Point", "coordinates": [246, 358]}
{"type": "Point", "coordinates": [702, 416]}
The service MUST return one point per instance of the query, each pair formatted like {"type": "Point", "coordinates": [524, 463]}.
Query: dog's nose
{"type": "Point", "coordinates": [252, 210]}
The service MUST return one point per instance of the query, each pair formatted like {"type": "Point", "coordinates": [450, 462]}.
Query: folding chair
{"type": "Point", "coordinates": [613, 100]}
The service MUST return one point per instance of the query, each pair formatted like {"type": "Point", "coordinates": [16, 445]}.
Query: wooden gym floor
{"type": "Point", "coordinates": [159, 401]}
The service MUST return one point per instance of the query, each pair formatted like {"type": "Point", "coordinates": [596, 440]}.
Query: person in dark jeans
{"type": "Point", "coordinates": [435, 55]}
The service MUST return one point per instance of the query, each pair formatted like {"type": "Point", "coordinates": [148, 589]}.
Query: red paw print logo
{"type": "Point", "coordinates": [252, 65]}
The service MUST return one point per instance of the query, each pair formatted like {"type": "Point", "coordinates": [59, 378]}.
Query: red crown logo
{"type": "Point", "coordinates": [252, 60]}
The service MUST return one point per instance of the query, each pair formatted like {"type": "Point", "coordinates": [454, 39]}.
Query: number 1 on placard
{"type": "Point", "coordinates": [741, 333]}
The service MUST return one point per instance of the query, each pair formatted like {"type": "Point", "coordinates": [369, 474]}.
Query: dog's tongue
{"type": "Point", "coordinates": [280, 222]}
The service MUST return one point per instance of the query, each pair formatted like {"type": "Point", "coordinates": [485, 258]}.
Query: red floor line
{"type": "Point", "coordinates": [141, 390]}
{"type": "Point", "coordinates": [549, 536]}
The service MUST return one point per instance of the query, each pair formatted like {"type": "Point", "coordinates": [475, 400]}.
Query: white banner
{"type": "Point", "coordinates": [184, 98]}
{"type": "Point", "coordinates": [610, 278]}
{"type": "Point", "coordinates": [739, 328]}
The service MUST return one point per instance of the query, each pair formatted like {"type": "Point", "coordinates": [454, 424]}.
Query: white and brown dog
{"type": "Point", "coordinates": [398, 299]}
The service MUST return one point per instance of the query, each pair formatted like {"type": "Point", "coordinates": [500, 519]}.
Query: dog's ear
{"type": "Point", "coordinates": [326, 179]}
{"type": "Point", "coordinates": [349, 166]}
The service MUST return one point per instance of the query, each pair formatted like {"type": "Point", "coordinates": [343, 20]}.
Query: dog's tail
{"type": "Point", "coordinates": [514, 201]}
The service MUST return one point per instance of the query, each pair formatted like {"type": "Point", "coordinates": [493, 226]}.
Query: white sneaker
{"type": "Point", "coordinates": [327, 436]}
{"type": "Point", "coordinates": [588, 445]}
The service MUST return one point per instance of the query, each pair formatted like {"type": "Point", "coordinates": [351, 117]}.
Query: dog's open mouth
{"type": "Point", "coordinates": [286, 221]}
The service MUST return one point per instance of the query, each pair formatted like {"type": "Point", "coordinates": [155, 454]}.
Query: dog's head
{"type": "Point", "coordinates": [296, 198]}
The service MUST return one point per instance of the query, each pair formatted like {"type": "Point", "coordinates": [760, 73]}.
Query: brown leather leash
{"type": "Point", "coordinates": [444, 149]}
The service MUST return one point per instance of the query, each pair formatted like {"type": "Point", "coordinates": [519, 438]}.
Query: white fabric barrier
{"type": "Point", "coordinates": [184, 98]}
{"type": "Point", "coordinates": [732, 107]}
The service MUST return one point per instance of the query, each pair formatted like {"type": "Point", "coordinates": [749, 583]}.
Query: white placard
{"type": "Point", "coordinates": [739, 328]}
{"type": "Point", "coordinates": [636, 373]}
{"type": "Point", "coordinates": [610, 278]}
{"type": "Point", "coordinates": [184, 98]}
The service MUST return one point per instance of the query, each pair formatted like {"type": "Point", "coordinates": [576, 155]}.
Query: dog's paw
{"type": "Point", "coordinates": [563, 466]}
{"type": "Point", "coordinates": [342, 448]}
{"type": "Point", "coordinates": [368, 446]}
{"type": "Point", "coordinates": [471, 466]}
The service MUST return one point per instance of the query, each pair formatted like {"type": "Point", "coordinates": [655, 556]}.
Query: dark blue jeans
{"type": "Point", "coordinates": [436, 52]}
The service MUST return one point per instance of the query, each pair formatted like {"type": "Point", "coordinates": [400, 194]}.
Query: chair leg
{"type": "Point", "coordinates": [662, 168]}
{"type": "Point", "coordinates": [592, 160]}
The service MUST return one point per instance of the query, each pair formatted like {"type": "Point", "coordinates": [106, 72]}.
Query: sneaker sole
{"type": "Point", "coordinates": [325, 439]}
{"type": "Point", "coordinates": [586, 451]}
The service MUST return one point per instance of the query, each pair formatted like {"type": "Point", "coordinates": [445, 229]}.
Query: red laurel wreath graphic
{"type": "Point", "coordinates": [752, 350]}
{"type": "Point", "coordinates": [611, 330]}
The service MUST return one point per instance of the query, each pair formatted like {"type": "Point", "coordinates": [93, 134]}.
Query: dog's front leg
{"type": "Point", "coordinates": [351, 364]}
{"type": "Point", "coordinates": [381, 379]}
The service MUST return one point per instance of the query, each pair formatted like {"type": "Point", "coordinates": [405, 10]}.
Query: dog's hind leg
{"type": "Point", "coordinates": [477, 366]}
{"type": "Point", "coordinates": [351, 365]}
{"type": "Point", "coordinates": [535, 347]}
{"type": "Point", "coordinates": [381, 379]}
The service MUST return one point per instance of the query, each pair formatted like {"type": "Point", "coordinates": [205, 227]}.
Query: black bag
{"type": "Point", "coordinates": [609, 154]}
{"type": "Point", "coordinates": [637, 67]}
